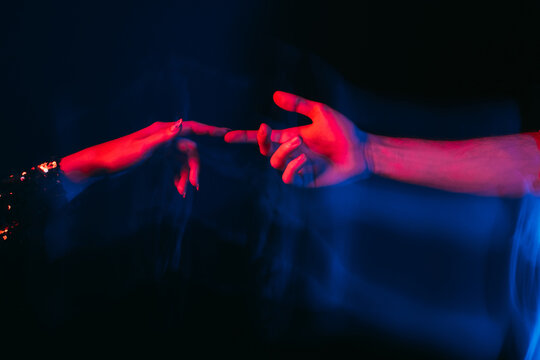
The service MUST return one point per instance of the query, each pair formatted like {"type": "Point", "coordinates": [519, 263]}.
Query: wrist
{"type": "Point", "coordinates": [78, 167]}
{"type": "Point", "coordinates": [368, 153]}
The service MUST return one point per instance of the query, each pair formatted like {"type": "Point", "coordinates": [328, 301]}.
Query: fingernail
{"type": "Point", "coordinates": [184, 194]}
{"type": "Point", "coordinates": [197, 187]}
{"type": "Point", "coordinates": [177, 125]}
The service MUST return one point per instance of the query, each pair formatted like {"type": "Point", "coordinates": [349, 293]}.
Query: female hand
{"type": "Point", "coordinates": [326, 152]}
{"type": "Point", "coordinates": [124, 152]}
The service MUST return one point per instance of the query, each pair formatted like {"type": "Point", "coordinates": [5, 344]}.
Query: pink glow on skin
{"type": "Point", "coordinates": [333, 150]}
{"type": "Point", "coordinates": [124, 152]}
{"type": "Point", "coordinates": [190, 168]}
{"type": "Point", "coordinates": [328, 150]}
{"type": "Point", "coordinates": [493, 166]}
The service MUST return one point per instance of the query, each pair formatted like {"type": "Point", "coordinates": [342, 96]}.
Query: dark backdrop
{"type": "Point", "coordinates": [383, 268]}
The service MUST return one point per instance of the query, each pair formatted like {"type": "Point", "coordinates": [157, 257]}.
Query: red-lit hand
{"type": "Point", "coordinates": [327, 152]}
{"type": "Point", "coordinates": [119, 154]}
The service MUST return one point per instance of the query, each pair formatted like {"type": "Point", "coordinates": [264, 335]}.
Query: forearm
{"type": "Point", "coordinates": [494, 166]}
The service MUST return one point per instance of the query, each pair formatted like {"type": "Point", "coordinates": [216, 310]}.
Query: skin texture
{"type": "Point", "coordinates": [119, 154]}
{"type": "Point", "coordinates": [493, 166]}
{"type": "Point", "coordinates": [326, 152]}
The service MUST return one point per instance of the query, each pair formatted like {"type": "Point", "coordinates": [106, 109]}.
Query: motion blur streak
{"type": "Point", "coordinates": [524, 276]}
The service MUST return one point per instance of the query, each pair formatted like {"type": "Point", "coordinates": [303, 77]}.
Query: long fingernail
{"type": "Point", "coordinates": [177, 125]}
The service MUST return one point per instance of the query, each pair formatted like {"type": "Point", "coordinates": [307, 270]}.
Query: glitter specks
{"type": "Point", "coordinates": [46, 166]}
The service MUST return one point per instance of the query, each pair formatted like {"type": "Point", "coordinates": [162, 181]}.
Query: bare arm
{"type": "Point", "coordinates": [495, 166]}
{"type": "Point", "coordinates": [333, 150]}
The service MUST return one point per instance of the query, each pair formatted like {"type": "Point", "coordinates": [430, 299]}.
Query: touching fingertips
{"type": "Point", "coordinates": [221, 131]}
{"type": "Point", "coordinates": [229, 137]}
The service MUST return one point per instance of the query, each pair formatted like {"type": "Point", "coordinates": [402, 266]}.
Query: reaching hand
{"type": "Point", "coordinates": [119, 154]}
{"type": "Point", "coordinates": [327, 152]}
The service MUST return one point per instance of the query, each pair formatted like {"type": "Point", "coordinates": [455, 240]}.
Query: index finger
{"type": "Point", "coordinates": [197, 128]}
{"type": "Point", "coordinates": [241, 136]}
{"type": "Point", "coordinates": [250, 136]}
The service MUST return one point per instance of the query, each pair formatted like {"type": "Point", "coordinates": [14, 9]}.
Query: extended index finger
{"type": "Point", "coordinates": [250, 136]}
{"type": "Point", "coordinates": [197, 128]}
{"type": "Point", "coordinates": [241, 136]}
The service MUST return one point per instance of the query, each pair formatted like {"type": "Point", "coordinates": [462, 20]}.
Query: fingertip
{"type": "Point", "coordinates": [265, 131]}
{"type": "Point", "coordinates": [278, 95]}
{"type": "Point", "coordinates": [221, 131]}
{"type": "Point", "coordinates": [179, 187]}
{"type": "Point", "coordinates": [276, 162]}
{"type": "Point", "coordinates": [229, 137]}
{"type": "Point", "coordinates": [286, 179]}
{"type": "Point", "coordinates": [265, 128]}
{"type": "Point", "coordinates": [294, 167]}
{"type": "Point", "coordinates": [287, 101]}
{"type": "Point", "coordinates": [193, 180]}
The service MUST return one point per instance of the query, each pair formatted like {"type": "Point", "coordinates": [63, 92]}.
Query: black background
{"type": "Point", "coordinates": [76, 74]}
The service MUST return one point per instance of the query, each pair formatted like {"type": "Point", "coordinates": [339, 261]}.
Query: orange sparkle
{"type": "Point", "coordinates": [45, 167]}
{"type": "Point", "coordinates": [3, 231]}
{"type": "Point", "coordinates": [23, 173]}
{"type": "Point", "coordinates": [9, 207]}
{"type": "Point", "coordinates": [4, 237]}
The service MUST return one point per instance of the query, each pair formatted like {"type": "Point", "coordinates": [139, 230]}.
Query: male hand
{"type": "Point", "coordinates": [327, 152]}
